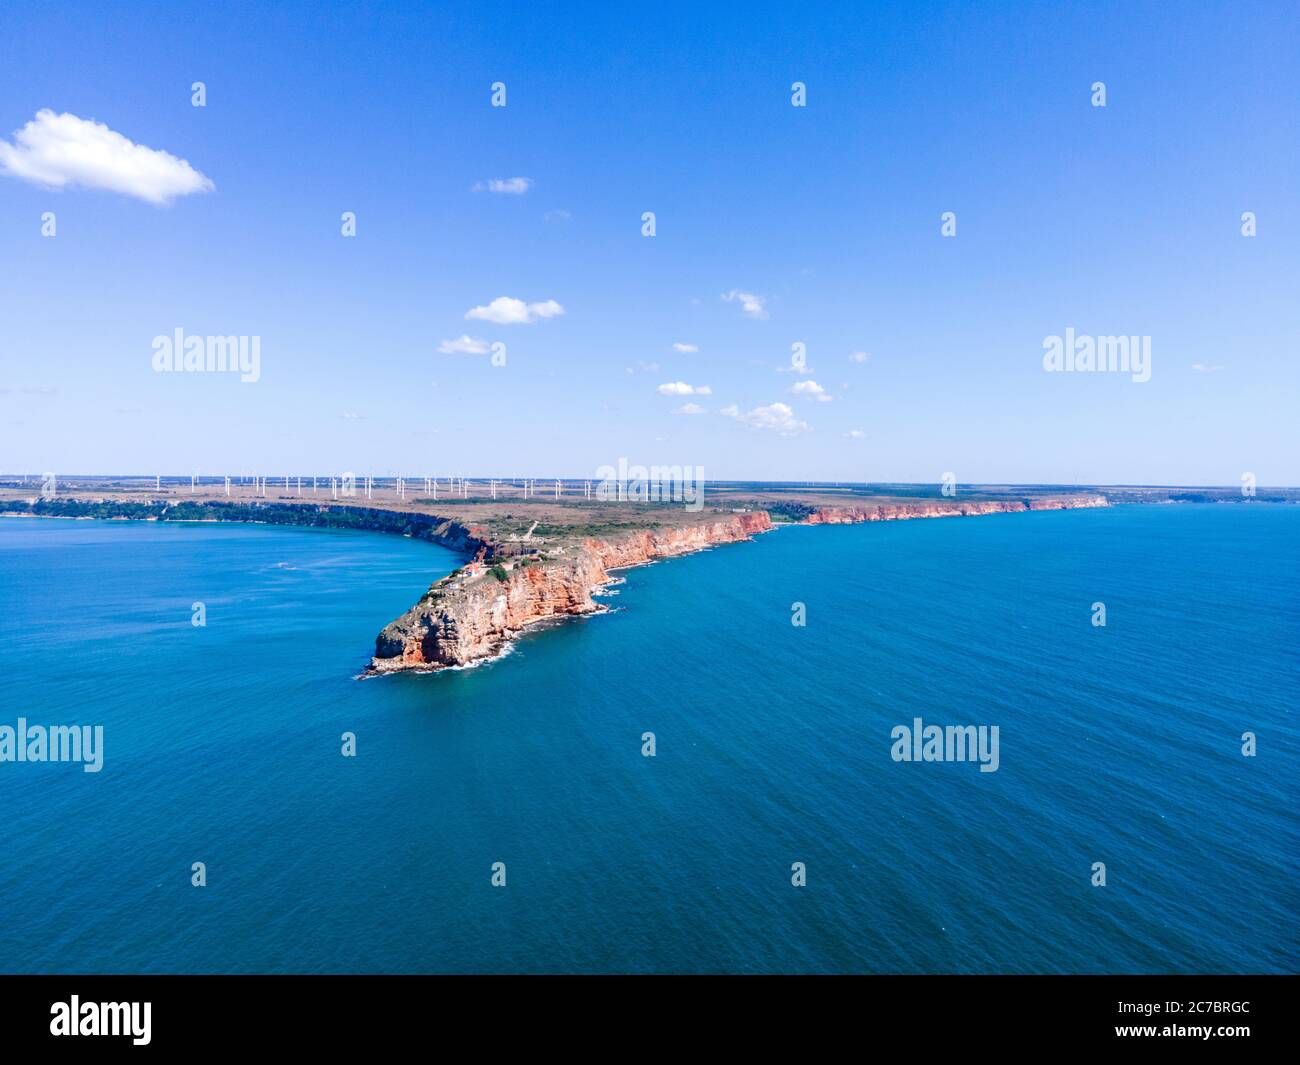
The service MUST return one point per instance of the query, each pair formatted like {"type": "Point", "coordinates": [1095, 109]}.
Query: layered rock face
{"type": "Point", "coordinates": [641, 547]}
{"type": "Point", "coordinates": [470, 615]}
{"type": "Point", "coordinates": [939, 509]}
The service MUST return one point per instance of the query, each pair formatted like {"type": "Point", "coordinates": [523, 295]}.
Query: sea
{"type": "Point", "coordinates": [702, 779]}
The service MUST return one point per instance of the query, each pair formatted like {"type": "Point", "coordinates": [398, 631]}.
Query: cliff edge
{"type": "Point", "coordinates": [903, 511]}
{"type": "Point", "coordinates": [473, 612]}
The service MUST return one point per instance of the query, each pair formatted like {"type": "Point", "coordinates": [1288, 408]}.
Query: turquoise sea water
{"type": "Point", "coordinates": [1119, 745]}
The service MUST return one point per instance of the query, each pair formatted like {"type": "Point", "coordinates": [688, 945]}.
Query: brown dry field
{"type": "Point", "coordinates": [512, 514]}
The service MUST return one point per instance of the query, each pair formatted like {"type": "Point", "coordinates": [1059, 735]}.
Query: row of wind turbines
{"type": "Point", "coordinates": [349, 485]}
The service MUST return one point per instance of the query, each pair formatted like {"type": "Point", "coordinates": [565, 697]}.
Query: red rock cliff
{"type": "Point", "coordinates": [471, 615]}
{"type": "Point", "coordinates": [944, 509]}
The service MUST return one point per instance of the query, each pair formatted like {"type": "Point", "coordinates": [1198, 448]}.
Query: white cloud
{"type": "Point", "coordinates": [559, 215]}
{"type": "Point", "coordinates": [859, 356]}
{"type": "Point", "coordinates": [690, 408]}
{"type": "Point", "coordinates": [61, 150]}
{"type": "Point", "coordinates": [813, 389]}
{"type": "Point", "coordinates": [464, 345]}
{"type": "Point", "coordinates": [795, 368]}
{"type": "Point", "coordinates": [776, 418]}
{"type": "Point", "coordinates": [681, 388]}
{"type": "Point", "coordinates": [513, 186]}
{"type": "Point", "coordinates": [855, 434]}
{"type": "Point", "coordinates": [752, 305]}
{"type": "Point", "coordinates": [505, 310]}
{"type": "Point", "coordinates": [644, 367]}
{"type": "Point", "coordinates": [1201, 367]}
{"type": "Point", "coordinates": [686, 349]}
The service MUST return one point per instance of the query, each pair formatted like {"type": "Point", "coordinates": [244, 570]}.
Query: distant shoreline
{"type": "Point", "coordinates": [509, 585]}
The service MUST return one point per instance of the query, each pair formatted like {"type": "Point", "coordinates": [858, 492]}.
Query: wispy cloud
{"type": "Point", "coordinates": [558, 215]}
{"type": "Point", "coordinates": [1201, 367]}
{"type": "Point", "coordinates": [40, 390]}
{"type": "Point", "coordinates": [775, 417]}
{"type": "Point", "coordinates": [644, 367]}
{"type": "Point", "coordinates": [505, 310]}
{"type": "Point", "coordinates": [750, 304]}
{"type": "Point", "coordinates": [686, 349]}
{"type": "Point", "coordinates": [859, 356]}
{"type": "Point", "coordinates": [58, 151]}
{"type": "Point", "coordinates": [855, 434]}
{"type": "Point", "coordinates": [511, 186]}
{"type": "Point", "coordinates": [681, 388]}
{"type": "Point", "coordinates": [690, 408]}
{"type": "Point", "coordinates": [464, 345]}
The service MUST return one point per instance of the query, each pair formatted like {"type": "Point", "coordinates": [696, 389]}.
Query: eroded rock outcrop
{"type": "Point", "coordinates": [473, 613]}
{"type": "Point", "coordinates": [941, 509]}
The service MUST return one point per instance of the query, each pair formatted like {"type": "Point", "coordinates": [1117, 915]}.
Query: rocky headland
{"type": "Point", "coordinates": [834, 515]}
{"type": "Point", "coordinates": [521, 572]}
{"type": "Point", "coordinates": [471, 614]}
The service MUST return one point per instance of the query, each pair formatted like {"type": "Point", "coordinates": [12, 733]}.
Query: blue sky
{"type": "Point", "coordinates": [1116, 220]}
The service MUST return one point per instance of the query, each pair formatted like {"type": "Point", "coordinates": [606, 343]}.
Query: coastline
{"type": "Point", "coordinates": [505, 588]}
{"type": "Point", "coordinates": [470, 614]}
{"type": "Point", "coordinates": [461, 621]}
